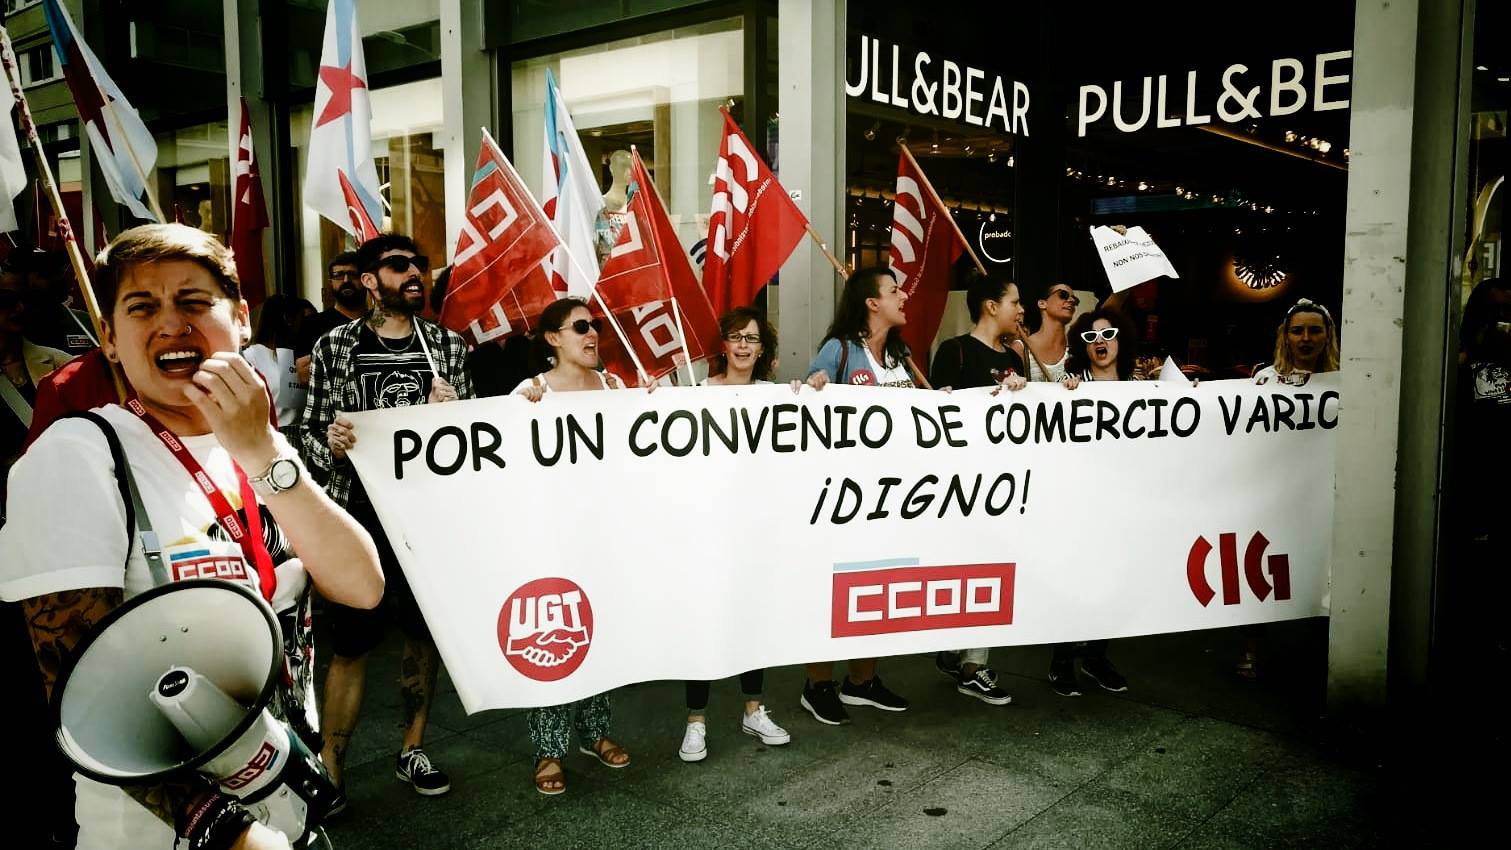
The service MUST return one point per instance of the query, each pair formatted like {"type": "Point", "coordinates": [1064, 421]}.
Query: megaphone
{"type": "Point", "coordinates": [178, 679]}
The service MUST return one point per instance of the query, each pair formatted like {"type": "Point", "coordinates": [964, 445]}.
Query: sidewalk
{"type": "Point", "coordinates": [1189, 757]}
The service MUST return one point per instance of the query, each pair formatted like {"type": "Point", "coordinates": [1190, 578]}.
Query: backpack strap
{"type": "Point", "coordinates": [138, 526]}
{"type": "Point", "coordinates": [842, 376]}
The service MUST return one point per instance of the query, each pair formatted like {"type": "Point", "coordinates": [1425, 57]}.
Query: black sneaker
{"type": "Point", "coordinates": [1062, 677]}
{"type": "Point", "coordinates": [872, 693]}
{"type": "Point", "coordinates": [823, 703]}
{"type": "Point", "coordinates": [982, 685]}
{"type": "Point", "coordinates": [1103, 673]}
{"type": "Point", "coordinates": [415, 768]}
{"type": "Point", "coordinates": [948, 663]}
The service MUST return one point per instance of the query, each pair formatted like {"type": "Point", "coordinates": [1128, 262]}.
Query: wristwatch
{"type": "Point", "coordinates": [282, 474]}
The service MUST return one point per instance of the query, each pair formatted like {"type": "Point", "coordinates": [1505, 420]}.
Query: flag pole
{"type": "Point", "coordinates": [839, 268]}
{"type": "Point", "coordinates": [935, 196]}
{"type": "Point", "coordinates": [572, 260]}
{"type": "Point", "coordinates": [70, 243]}
{"type": "Point", "coordinates": [661, 250]}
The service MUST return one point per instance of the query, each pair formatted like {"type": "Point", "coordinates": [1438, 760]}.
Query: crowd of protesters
{"type": "Point", "coordinates": [243, 402]}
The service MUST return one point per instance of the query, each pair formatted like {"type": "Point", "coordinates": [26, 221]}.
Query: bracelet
{"type": "Point", "coordinates": [217, 823]}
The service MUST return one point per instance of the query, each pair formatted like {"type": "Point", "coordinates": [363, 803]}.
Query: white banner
{"type": "Point", "coordinates": [595, 539]}
{"type": "Point", "coordinates": [1130, 258]}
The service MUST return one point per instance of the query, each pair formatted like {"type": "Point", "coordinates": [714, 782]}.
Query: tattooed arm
{"type": "Point", "coordinates": [58, 622]}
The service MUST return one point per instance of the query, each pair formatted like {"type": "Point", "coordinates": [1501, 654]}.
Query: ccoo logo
{"type": "Point", "coordinates": [1279, 567]}
{"type": "Point", "coordinates": [545, 628]}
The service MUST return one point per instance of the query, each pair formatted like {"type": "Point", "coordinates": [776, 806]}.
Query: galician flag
{"type": "Point", "coordinates": [122, 144]}
{"type": "Point", "coordinates": [341, 131]}
{"type": "Point", "coordinates": [571, 199]}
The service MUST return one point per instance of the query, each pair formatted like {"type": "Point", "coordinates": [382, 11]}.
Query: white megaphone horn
{"type": "Point", "coordinates": [178, 679]}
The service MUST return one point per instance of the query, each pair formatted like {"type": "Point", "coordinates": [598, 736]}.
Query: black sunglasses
{"type": "Point", "coordinates": [9, 299]}
{"type": "Point", "coordinates": [398, 263]}
{"type": "Point", "coordinates": [582, 326]}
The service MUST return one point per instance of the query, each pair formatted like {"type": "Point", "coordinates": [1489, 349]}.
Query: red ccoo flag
{"type": "Point", "coordinates": [249, 215]}
{"type": "Point", "coordinates": [498, 285]}
{"type": "Point", "coordinates": [754, 225]}
{"type": "Point", "coordinates": [646, 269]}
{"type": "Point", "coordinates": [362, 223]}
{"type": "Point", "coordinates": [925, 244]}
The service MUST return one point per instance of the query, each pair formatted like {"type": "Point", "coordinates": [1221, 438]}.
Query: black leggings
{"type": "Point", "coordinates": [750, 686]}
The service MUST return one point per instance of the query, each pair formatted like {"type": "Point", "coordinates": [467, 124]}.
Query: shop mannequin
{"type": "Point", "coordinates": [615, 203]}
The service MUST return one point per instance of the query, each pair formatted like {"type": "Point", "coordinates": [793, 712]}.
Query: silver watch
{"type": "Point", "coordinates": [282, 474]}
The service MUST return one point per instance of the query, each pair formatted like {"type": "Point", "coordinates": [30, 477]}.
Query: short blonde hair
{"type": "Point", "coordinates": [150, 243]}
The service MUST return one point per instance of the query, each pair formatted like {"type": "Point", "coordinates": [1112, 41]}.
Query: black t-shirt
{"type": "Point", "coordinates": [389, 373]}
{"type": "Point", "coordinates": [965, 361]}
{"type": "Point", "coordinates": [316, 326]}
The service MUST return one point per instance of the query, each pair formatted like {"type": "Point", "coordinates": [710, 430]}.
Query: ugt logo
{"type": "Point", "coordinates": [545, 628]}
{"type": "Point", "coordinates": [1227, 544]}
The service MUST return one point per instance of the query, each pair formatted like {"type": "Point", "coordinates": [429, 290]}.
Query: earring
{"type": "Point", "coordinates": [110, 355]}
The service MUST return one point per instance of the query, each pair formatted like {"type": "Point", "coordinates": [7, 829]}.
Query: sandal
{"type": "Point", "coordinates": [608, 753]}
{"type": "Point", "coordinates": [548, 782]}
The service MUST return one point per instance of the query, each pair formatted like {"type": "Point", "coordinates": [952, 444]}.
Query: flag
{"type": "Point", "coordinates": [362, 223]}
{"type": "Point", "coordinates": [12, 169]}
{"type": "Point", "coordinates": [249, 213]}
{"type": "Point", "coordinates": [646, 269]}
{"type": "Point", "coordinates": [571, 199]}
{"type": "Point", "coordinates": [498, 283]}
{"type": "Point", "coordinates": [925, 244]}
{"type": "Point", "coordinates": [753, 227]}
{"type": "Point", "coordinates": [123, 146]}
{"type": "Point", "coordinates": [341, 129]}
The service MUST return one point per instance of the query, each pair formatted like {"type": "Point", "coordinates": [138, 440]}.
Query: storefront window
{"type": "Point", "coordinates": [660, 93]}
{"type": "Point", "coordinates": [193, 167]}
{"type": "Point", "coordinates": [405, 122]}
{"type": "Point", "coordinates": [394, 36]}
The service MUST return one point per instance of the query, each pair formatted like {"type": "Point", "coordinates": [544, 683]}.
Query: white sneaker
{"type": "Point", "coordinates": [761, 725]}
{"type": "Point", "coordinates": [694, 747]}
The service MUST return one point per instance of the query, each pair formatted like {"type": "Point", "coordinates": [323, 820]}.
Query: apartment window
{"type": "Point", "coordinates": [13, 6]}
{"type": "Point", "coordinates": [39, 65]}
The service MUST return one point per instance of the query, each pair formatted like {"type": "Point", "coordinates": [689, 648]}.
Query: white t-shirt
{"type": "Point", "coordinates": [282, 377]}
{"type": "Point", "coordinates": [545, 385]}
{"type": "Point", "coordinates": [895, 375]}
{"type": "Point", "coordinates": [66, 531]}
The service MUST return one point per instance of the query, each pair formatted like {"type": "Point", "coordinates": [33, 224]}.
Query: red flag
{"type": "Point", "coordinates": [925, 245]}
{"type": "Point", "coordinates": [753, 228]}
{"type": "Point", "coordinates": [498, 285]}
{"type": "Point", "coordinates": [249, 214]}
{"type": "Point", "coordinates": [646, 269]}
{"type": "Point", "coordinates": [362, 223]}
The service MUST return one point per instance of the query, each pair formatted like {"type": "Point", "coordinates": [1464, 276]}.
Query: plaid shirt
{"type": "Point", "coordinates": [333, 388]}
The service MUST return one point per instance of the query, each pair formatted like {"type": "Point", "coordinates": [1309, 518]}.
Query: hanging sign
{"type": "Point", "coordinates": [1247, 94]}
{"type": "Point", "coordinates": [1130, 258]}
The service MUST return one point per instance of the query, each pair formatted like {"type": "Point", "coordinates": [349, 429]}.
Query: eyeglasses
{"type": "Point", "coordinates": [9, 299]}
{"type": "Point", "coordinates": [752, 339]}
{"type": "Point", "coordinates": [1067, 295]}
{"type": "Point", "coordinates": [582, 326]}
{"type": "Point", "coordinates": [1108, 334]}
{"type": "Point", "coordinates": [398, 263]}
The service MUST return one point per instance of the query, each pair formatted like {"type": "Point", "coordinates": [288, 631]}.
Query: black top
{"type": "Point", "coordinates": [965, 361]}
{"type": "Point", "coordinates": [317, 326]}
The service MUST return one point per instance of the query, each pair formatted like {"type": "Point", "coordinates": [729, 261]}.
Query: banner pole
{"type": "Point", "coordinates": [935, 196]}
{"type": "Point", "coordinates": [839, 268]}
{"type": "Point", "coordinates": [44, 170]}
{"type": "Point", "coordinates": [639, 367]}
{"type": "Point", "coordinates": [687, 357]}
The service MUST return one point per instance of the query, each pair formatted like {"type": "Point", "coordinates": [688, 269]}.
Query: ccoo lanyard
{"type": "Point", "coordinates": [253, 549]}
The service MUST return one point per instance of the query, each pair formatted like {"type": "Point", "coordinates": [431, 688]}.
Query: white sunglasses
{"type": "Point", "coordinates": [1108, 334]}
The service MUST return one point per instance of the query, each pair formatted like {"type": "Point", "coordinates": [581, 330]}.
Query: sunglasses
{"type": "Point", "coordinates": [1108, 334]}
{"type": "Point", "coordinates": [9, 299]}
{"type": "Point", "coordinates": [752, 339]}
{"type": "Point", "coordinates": [347, 275]}
{"type": "Point", "coordinates": [398, 263]}
{"type": "Point", "coordinates": [1067, 295]}
{"type": "Point", "coordinates": [582, 326]}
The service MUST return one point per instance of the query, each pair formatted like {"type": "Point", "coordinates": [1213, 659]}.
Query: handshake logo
{"type": "Point", "coordinates": [545, 629]}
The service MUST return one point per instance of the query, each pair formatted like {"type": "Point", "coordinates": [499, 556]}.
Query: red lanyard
{"type": "Point", "coordinates": [253, 548]}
